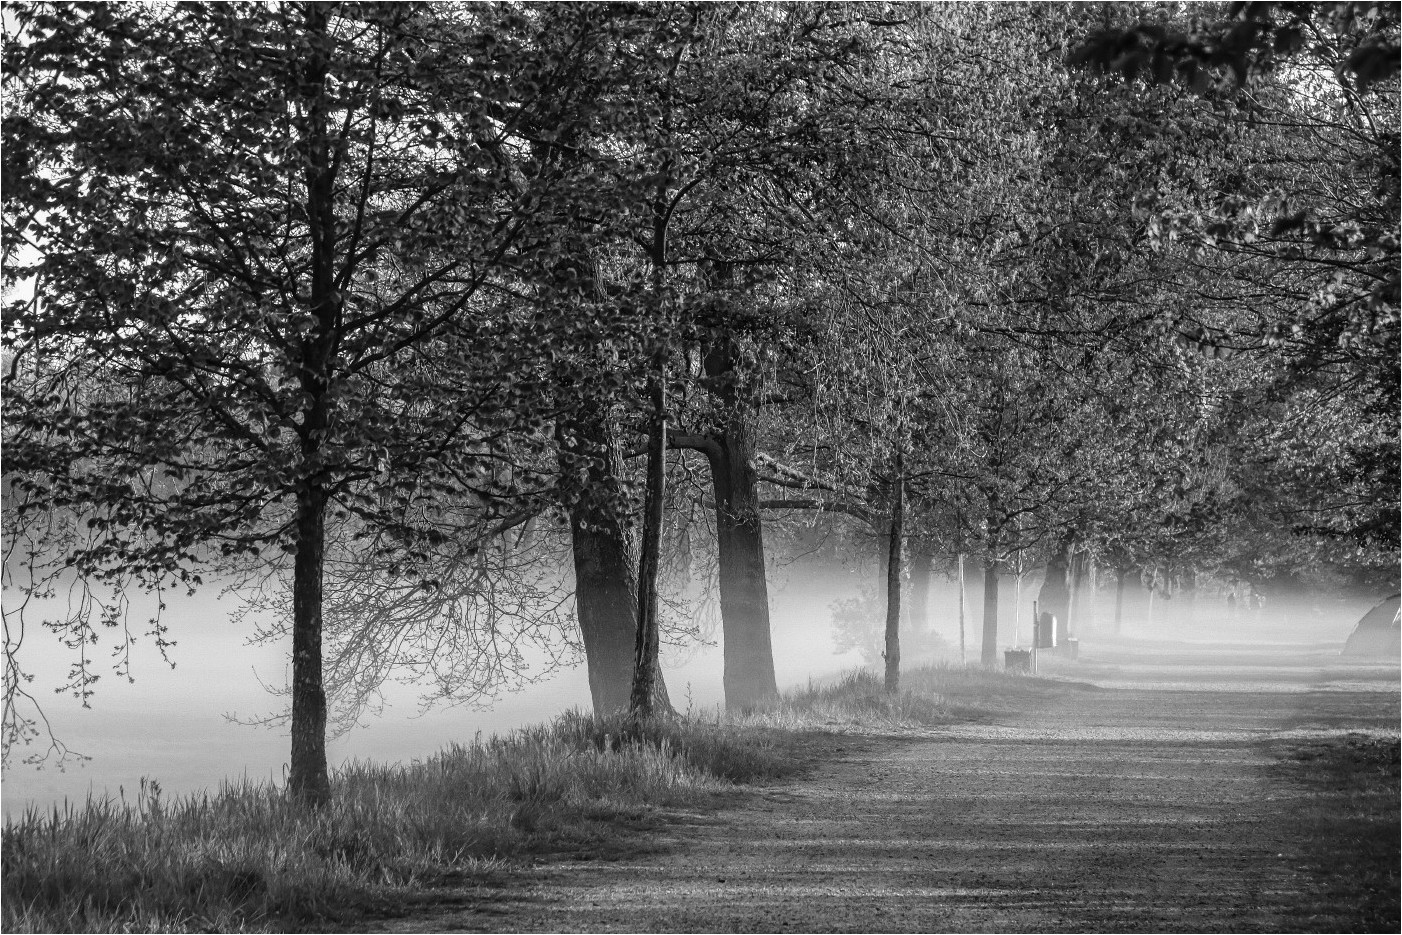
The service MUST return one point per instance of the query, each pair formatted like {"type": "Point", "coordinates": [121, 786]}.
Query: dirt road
{"type": "Point", "coordinates": [1152, 803]}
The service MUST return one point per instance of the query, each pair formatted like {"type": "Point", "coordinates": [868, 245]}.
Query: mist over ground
{"type": "Point", "coordinates": [172, 724]}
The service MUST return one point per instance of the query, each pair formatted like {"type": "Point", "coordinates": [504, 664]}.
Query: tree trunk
{"type": "Point", "coordinates": [606, 580]}
{"type": "Point", "coordinates": [307, 778]}
{"type": "Point", "coordinates": [1017, 607]}
{"type": "Point", "coordinates": [922, 557]}
{"type": "Point", "coordinates": [963, 655]}
{"type": "Point", "coordinates": [1055, 595]}
{"type": "Point", "coordinates": [990, 609]}
{"type": "Point", "coordinates": [989, 656]}
{"type": "Point", "coordinates": [646, 647]}
{"type": "Point", "coordinates": [893, 579]}
{"type": "Point", "coordinates": [744, 593]}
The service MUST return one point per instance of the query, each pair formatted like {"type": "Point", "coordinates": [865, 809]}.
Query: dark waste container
{"type": "Point", "coordinates": [1046, 631]}
{"type": "Point", "coordinates": [1073, 646]}
{"type": "Point", "coordinates": [1017, 660]}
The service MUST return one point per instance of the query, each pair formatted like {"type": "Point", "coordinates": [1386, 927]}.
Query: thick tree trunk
{"type": "Point", "coordinates": [893, 579]}
{"type": "Point", "coordinates": [922, 557]}
{"type": "Point", "coordinates": [744, 593]}
{"type": "Point", "coordinates": [307, 778]}
{"type": "Point", "coordinates": [606, 580]}
{"type": "Point", "coordinates": [1076, 587]}
{"type": "Point", "coordinates": [645, 667]}
{"type": "Point", "coordinates": [990, 610]}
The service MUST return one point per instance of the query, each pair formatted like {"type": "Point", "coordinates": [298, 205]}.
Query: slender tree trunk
{"type": "Point", "coordinates": [990, 609]}
{"type": "Point", "coordinates": [744, 593]}
{"type": "Point", "coordinates": [963, 654]}
{"type": "Point", "coordinates": [893, 578]}
{"type": "Point", "coordinates": [646, 648]}
{"type": "Point", "coordinates": [307, 778]}
{"type": "Point", "coordinates": [606, 580]}
{"type": "Point", "coordinates": [922, 557]}
{"type": "Point", "coordinates": [1017, 608]}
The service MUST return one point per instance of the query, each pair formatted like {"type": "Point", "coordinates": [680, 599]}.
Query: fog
{"type": "Point", "coordinates": [173, 724]}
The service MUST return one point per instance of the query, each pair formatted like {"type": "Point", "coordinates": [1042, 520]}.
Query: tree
{"type": "Point", "coordinates": [262, 240]}
{"type": "Point", "coordinates": [1305, 217]}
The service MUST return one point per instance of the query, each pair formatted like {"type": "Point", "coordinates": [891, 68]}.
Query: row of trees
{"type": "Point", "coordinates": [382, 307]}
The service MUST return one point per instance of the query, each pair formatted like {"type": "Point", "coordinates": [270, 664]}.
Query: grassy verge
{"type": "Point", "coordinates": [1346, 818]}
{"type": "Point", "coordinates": [929, 696]}
{"type": "Point", "coordinates": [247, 859]}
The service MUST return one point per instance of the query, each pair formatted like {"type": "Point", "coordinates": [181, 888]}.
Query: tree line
{"type": "Point", "coordinates": [387, 305]}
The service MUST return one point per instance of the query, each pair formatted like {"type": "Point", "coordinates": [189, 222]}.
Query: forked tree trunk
{"type": "Point", "coordinates": [606, 580]}
{"type": "Point", "coordinates": [893, 578]}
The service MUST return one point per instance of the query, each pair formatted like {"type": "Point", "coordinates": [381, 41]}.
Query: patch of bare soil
{"type": "Point", "coordinates": [1159, 808]}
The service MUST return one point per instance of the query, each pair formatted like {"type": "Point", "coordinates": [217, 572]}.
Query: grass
{"type": "Point", "coordinates": [1346, 818]}
{"type": "Point", "coordinates": [246, 858]}
{"type": "Point", "coordinates": [930, 696]}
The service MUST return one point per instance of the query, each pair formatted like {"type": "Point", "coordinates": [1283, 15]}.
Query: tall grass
{"type": "Point", "coordinates": [246, 858]}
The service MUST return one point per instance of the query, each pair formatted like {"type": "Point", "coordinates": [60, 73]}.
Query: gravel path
{"type": "Point", "coordinates": [1148, 806]}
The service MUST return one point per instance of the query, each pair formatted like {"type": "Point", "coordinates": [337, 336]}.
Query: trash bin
{"type": "Point", "coordinates": [1017, 660]}
{"type": "Point", "coordinates": [1073, 647]}
{"type": "Point", "coordinates": [1046, 631]}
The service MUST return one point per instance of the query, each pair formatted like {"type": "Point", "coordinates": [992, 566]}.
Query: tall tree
{"type": "Point", "coordinates": [259, 298]}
